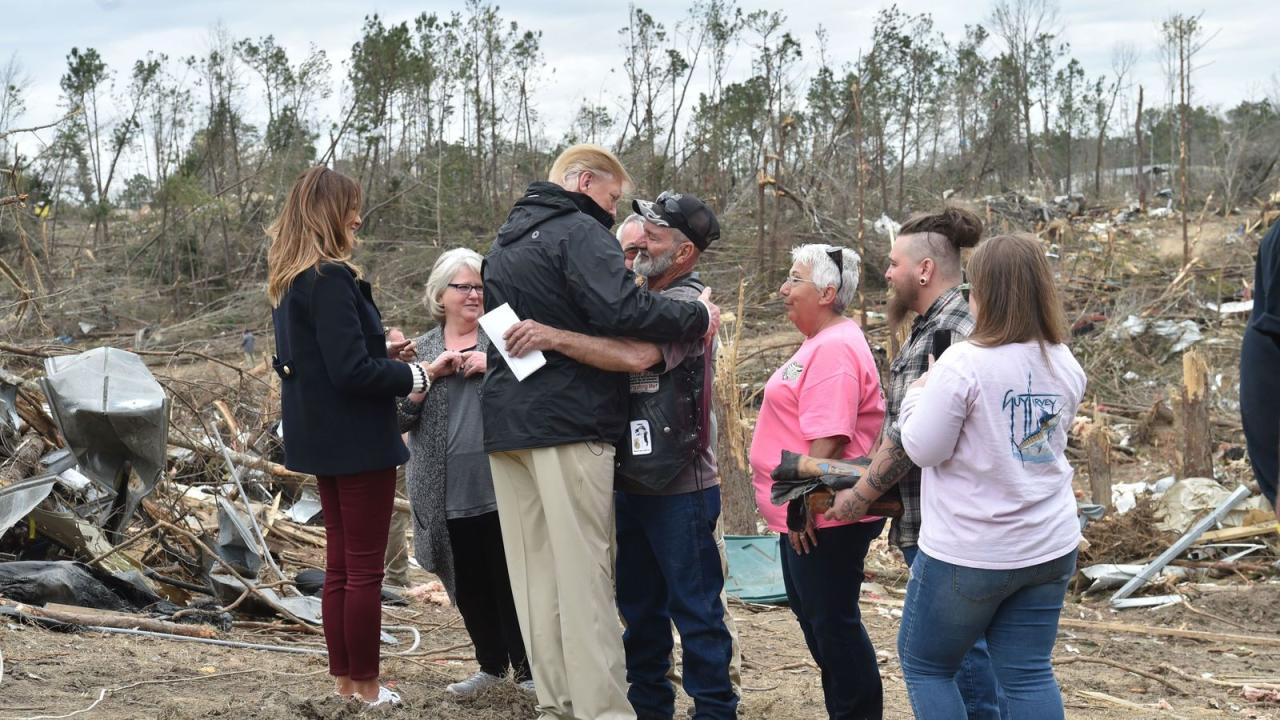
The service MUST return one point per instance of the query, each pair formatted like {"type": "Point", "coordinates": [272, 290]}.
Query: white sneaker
{"type": "Point", "coordinates": [386, 699]}
{"type": "Point", "coordinates": [474, 684]}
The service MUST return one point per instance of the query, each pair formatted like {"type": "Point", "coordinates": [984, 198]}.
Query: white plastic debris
{"type": "Point", "coordinates": [1107, 575]}
{"type": "Point", "coordinates": [885, 227]}
{"type": "Point", "coordinates": [1182, 334]}
{"type": "Point", "coordinates": [1231, 308]}
{"type": "Point", "coordinates": [1189, 499]}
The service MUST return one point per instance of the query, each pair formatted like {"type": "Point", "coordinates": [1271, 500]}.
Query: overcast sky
{"type": "Point", "coordinates": [581, 44]}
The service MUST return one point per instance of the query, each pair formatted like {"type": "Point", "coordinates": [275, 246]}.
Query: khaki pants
{"type": "Point", "coordinates": [396, 560]}
{"type": "Point", "coordinates": [556, 509]}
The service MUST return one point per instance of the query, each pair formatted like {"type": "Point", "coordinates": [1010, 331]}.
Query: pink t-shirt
{"type": "Point", "coordinates": [828, 388]}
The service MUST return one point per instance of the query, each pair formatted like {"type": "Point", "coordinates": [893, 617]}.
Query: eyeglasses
{"type": "Point", "coordinates": [467, 288]}
{"type": "Point", "coordinates": [793, 280]}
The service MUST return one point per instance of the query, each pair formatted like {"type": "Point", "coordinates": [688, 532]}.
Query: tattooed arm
{"type": "Point", "coordinates": [889, 465]}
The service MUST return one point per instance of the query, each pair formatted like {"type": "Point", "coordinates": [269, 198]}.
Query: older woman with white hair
{"type": "Point", "coordinates": [824, 401]}
{"type": "Point", "coordinates": [457, 535]}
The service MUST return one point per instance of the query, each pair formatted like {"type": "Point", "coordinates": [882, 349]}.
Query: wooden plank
{"type": "Point", "coordinates": [1239, 533]}
{"type": "Point", "coordinates": [1204, 635]}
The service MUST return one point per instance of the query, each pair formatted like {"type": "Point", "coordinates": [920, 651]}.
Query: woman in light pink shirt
{"type": "Point", "coordinates": [824, 401]}
{"type": "Point", "coordinates": [988, 426]}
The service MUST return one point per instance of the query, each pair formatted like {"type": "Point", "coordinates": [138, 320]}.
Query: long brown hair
{"type": "Point", "coordinates": [1015, 293]}
{"type": "Point", "coordinates": [311, 228]}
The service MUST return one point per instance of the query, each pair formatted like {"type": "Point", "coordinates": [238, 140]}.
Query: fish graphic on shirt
{"type": "Point", "coordinates": [1048, 422]}
{"type": "Point", "coordinates": [1033, 418]}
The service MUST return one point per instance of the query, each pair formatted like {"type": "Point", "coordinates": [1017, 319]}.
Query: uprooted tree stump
{"type": "Point", "coordinates": [1197, 426]}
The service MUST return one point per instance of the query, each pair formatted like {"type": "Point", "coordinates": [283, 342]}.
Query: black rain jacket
{"type": "Point", "coordinates": [555, 261]}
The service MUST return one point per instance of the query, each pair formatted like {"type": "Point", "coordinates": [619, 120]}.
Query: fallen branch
{"type": "Point", "coordinates": [249, 584]}
{"type": "Point", "coordinates": [1113, 700]}
{"type": "Point", "coordinates": [123, 545]}
{"type": "Point", "coordinates": [1119, 666]}
{"type": "Point", "coordinates": [1169, 632]}
{"type": "Point", "coordinates": [103, 618]}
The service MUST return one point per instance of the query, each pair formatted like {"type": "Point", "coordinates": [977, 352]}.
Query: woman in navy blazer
{"type": "Point", "coordinates": [338, 389]}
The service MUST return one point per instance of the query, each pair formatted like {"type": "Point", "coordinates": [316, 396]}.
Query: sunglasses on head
{"type": "Point", "coordinates": [837, 257]}
{"type": "Point", "coordinates": [670, 202]}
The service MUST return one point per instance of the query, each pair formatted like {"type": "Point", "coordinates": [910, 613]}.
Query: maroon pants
{"type": "Point", "coordinates": [357, 512]}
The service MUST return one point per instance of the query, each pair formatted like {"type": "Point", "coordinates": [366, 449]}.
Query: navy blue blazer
{"type": "Point", "coordinates": [338, 387]}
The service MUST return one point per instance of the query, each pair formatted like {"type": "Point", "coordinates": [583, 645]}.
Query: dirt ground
{"type": "Point", "coordinates": [1108, 667]}
{"type": "Point", "coordinates": [50, 674]}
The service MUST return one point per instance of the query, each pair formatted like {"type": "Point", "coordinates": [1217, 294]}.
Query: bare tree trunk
{"type": "Point", "coordinates": [1140, 177]}
{"type": "Point", "coordinates": [861, 179]}
{"type": "Point", "coordinates": [1184, 129]}
{"type": "Point", "coordinates": [761, 181]}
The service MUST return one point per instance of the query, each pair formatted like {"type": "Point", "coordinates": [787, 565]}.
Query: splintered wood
{"type": "Point", "coordinates": [1098, 452]}
{"type": "Point", "coordinates": [1197, 427]}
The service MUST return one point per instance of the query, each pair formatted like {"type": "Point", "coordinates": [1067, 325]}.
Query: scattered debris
{"type": "Point", "coordinates": [1181, 545]}
{"type": "Point", "coordinates": [1188, 499]}
{"type": "Point", "coordinates": [1181, 334]}
{"type": "Point", "coordinates": [432, 593]}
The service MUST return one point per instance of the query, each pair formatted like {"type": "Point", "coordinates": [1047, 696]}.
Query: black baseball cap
{"type": "Point", "coordinates": [683, 212]}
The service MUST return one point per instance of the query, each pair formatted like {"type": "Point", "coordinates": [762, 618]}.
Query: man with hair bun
{"type": "Point", "coordinates": [925, 277]}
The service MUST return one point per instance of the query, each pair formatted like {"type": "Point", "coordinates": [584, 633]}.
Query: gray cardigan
{"type": "Point", "coordinates": [426, 471]}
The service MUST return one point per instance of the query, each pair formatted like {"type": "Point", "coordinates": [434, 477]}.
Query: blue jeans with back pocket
{"type": "Point", "coordinates": [949, 607]}
{"type": "Point", "coordinates": [976, 679]}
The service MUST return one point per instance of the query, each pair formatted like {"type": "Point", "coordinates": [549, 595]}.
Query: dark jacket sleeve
{"type": "Point", "coordinates": [606, 290]}
{"type": "Point", "coordinates": [1266, 285]}
{"type": "Point", "coordinates": [343, 346]}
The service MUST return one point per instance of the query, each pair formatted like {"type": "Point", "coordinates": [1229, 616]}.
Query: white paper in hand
{"type": "Point", "coordinates": [496, 322]}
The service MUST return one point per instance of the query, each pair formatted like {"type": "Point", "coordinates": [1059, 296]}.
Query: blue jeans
{"type": "Point", "coordinates": [976, 679]}
{"type": "Point", "coordinates": [823, 587]}
{"type": "Point", "coordinates": [669, 571]}
{"type": "Point", "coordinates": [949, 607]}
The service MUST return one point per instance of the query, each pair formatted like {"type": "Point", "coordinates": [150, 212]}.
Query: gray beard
{"type": "Point", "coordinates": [652, 267]}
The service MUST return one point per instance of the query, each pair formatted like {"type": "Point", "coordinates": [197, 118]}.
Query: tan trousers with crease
{"type": "Point", "coordinates": [555, 505]}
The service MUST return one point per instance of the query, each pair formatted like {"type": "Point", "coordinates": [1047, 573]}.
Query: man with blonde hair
{"type": "Point", "coordinates": [551, 437]}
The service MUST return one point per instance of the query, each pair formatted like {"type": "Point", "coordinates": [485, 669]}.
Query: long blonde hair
{"type": "Point", "coordinates": [311, 228]}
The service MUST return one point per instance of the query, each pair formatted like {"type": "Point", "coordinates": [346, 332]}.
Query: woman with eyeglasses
{"type": "Point", "coordinates": [456, 531]}
{"type": "Point", "coordinates": [988, 427]}
{"type": "Point", "coordinates": [824, 401]}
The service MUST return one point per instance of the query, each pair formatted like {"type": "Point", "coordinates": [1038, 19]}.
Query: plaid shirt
{"type": "Point", "coordinates": [948, 312]}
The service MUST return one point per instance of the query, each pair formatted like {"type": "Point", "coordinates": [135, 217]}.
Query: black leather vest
{"type": "Point", "coordinates": [668, 419]}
